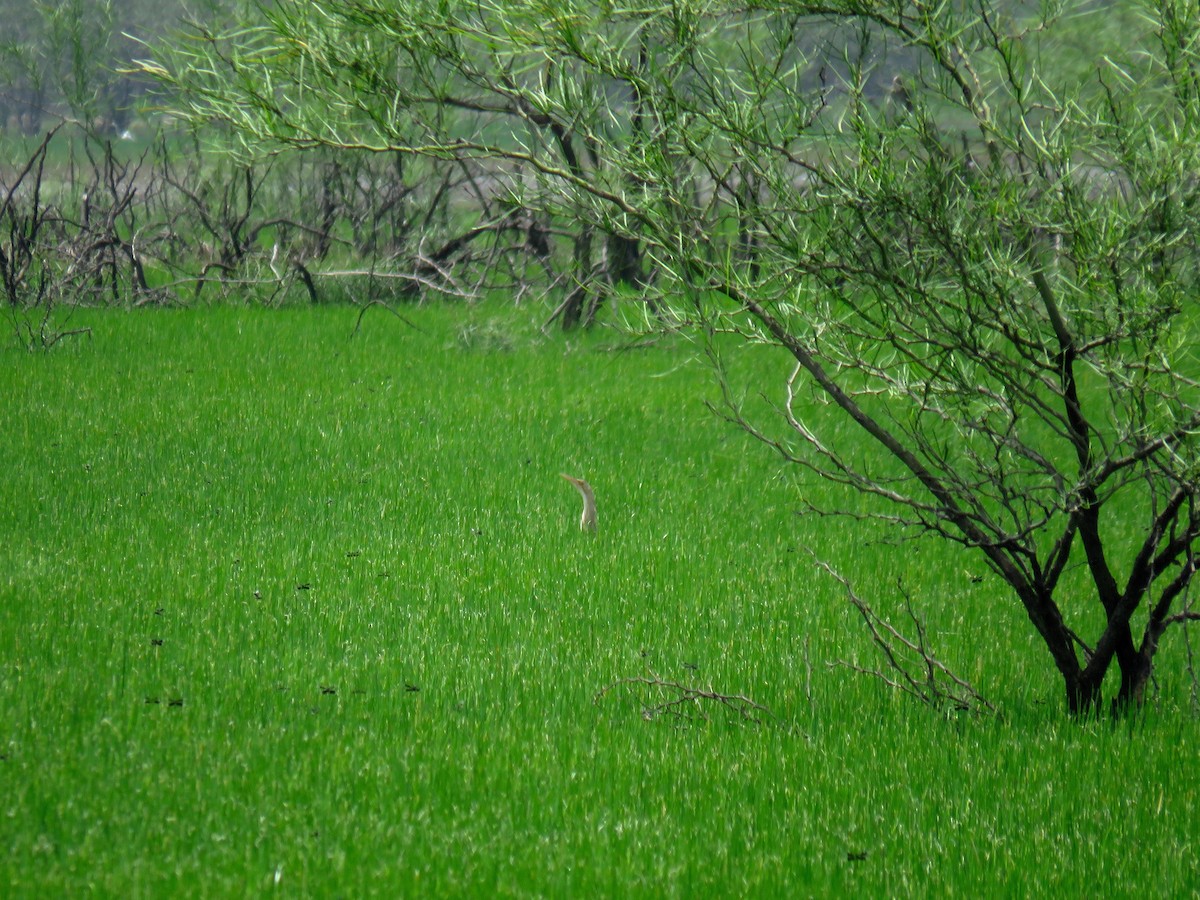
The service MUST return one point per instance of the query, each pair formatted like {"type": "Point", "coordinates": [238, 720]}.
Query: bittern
{"type": "Point", "coordinates": [588, 520]}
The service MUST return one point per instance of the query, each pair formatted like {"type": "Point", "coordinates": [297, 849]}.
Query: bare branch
{"type": "Point", "coordinates": [687, 702]}
{"type": "Point", "coordinates": [936, 685]}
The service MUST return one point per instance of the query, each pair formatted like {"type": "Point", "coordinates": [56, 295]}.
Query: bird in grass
{"type": "Point", "coordinates": [588, 520]}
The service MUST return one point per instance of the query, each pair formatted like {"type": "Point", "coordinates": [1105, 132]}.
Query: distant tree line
{"type": "Point", "coordinates": [71, 59]}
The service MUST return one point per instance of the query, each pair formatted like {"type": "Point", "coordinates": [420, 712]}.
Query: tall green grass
{"type": "Point", "coordinates": [283, 609]}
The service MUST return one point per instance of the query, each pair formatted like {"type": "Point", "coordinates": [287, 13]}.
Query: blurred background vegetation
{"type": "Point", "coordinates": [64, 59]}
{"type": "Point", "coordinates": [115, 201]}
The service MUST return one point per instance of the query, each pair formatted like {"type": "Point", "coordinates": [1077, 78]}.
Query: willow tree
{"type": "Point", "coordinates": [986, 261]}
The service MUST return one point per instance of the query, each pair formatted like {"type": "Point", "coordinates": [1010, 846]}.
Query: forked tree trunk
{"type": "Point", "coordinates": [1084, 687]}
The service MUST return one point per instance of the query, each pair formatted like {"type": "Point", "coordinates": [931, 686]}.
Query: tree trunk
{"type": "Point", "coordinates": [624, 262]}
{"type": "Point", "coordinates": [1135, 675]}
{"type": "Point", "coordinates": [573, 308]}
{"type": "Point", "coordinates": [1083, 696]}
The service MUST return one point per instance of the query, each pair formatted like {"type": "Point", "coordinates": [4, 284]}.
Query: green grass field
{"type": "Point", "coordinates": [286, 610]}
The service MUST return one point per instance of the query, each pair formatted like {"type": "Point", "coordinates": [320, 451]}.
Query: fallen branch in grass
{"type": "Point", "coordinates": [370, 303]}
{"type": "Point", "coordinates": [911, 666]}
{"type": "Point", "coordinates": [686, 702]}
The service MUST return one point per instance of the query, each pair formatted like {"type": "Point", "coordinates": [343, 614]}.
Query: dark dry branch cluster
{"type": "Point", "coordinates": [91, 221]}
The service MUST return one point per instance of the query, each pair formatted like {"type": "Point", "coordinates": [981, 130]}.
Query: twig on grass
{"type": "Point", "coordinates": [370, 303]}
{"type": "Point", "coordinates": [49, 340]}
{"type": "Point", "coordinates": [685, 701]}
